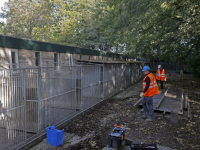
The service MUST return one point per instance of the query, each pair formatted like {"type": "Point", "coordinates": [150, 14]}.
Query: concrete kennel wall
{"type": "Point", "coordinates": [26, 53]}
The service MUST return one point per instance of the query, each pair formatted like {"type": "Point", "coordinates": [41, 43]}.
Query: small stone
{"type": "Point", "coordinates": [128, 104]}
{"type": "Point", "coordinates": [127, 114]}
{"type": "Point", "coordinates": [157, 141]}
{"type": "Point", "coordinates": [141, 129]}
{"type": "Point", "coordinates": [195, 116]}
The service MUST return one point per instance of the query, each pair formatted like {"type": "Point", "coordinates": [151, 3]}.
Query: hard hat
{"type": "Point", "coordinates": [159, 66]}
{"type": "Point", "coordinates": [146, 68]}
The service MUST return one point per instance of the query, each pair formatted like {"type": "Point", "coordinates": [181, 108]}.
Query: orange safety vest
{"type": "Point", "coordinates": [153, 87]}
{"type": "Point", "coordinates": [160, 76]}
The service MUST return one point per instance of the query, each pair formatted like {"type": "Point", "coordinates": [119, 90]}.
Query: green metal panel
{"type": "Point", "coordinates": [17, 43]}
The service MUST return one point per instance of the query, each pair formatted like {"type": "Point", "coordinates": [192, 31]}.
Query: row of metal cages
{"type": "Point", "coordinates": [32, 99]}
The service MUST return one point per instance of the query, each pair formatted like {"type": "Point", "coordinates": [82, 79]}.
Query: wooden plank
{"type": "Point", "coordinates": [157, 106]}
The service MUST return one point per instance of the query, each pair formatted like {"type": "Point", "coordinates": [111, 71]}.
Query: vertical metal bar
{"type": "Point", "coordinates": [7, 84]}
{"type": "Point", "coordinates": [3, 89]}
{"type": "Point", "coordinates": [12, 106]}
{"type": "Point", "coordinates": [103, 84]}
{"type": "Point", "coordinates": [115, 71]}
{"type": "Point", "coordinates": [47, 62]}
{"type": "Point", "coordinates": [8, 106]}
{"type": "Point", "coordinates": [99, 80]}
{"type": "Point", "coordinates": [70, 95]}
{"type": "Point", "coordinates": [16, 98]}
{"type": "Point", "coordinates": [39, 98]}
{"type": "Point", "coordinates": [33, 84]}
{"type": "Point", "coordinates": [75, 87]}
{"type": "Point", "coordinates": [0, 116]}
{"type": "Point", "coordinates": [47, 93]}
{"type": "Point", "coordinates": [3, 100]}
{"type": "Point", "coordinates": [2, 94]}
{"type": "Point", "coordinates": [18, 104]}
{"type": "Point", "coordinates": [3, 97]}
{"type": "Point", "coordinates": [29, 78]}
{"type": "Point", "coordinates": [24, 98]}
{"type": "Point", "coordinates": [81, 86]}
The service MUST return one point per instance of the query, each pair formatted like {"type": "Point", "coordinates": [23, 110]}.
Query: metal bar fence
{"type": "Point", "coordinates": [12, 118]}
{"type": "Point", "coordinates": [32, 99]}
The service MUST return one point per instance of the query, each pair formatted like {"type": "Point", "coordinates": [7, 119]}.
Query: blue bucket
{"type": "Point", "coordinates": [54, 136]}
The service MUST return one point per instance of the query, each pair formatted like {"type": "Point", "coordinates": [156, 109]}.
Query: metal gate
{"type": "Point", "coordinates": [12, 108]}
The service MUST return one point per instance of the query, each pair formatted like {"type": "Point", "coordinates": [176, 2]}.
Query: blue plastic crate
{"type": "Point", "coordinates": [54, 136]}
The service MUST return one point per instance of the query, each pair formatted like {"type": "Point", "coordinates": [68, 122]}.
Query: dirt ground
{"type": "Point", "coordinates": [94, 125]}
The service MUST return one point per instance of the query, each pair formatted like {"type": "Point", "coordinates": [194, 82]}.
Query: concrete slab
{"type": "Point", "coordinates": [174, 117]}
{"type": "Point", "coordinates": [124, 148]}
{"type": "Point", "coordinates": [107, 148]}
{"type": "Point", "coordinates": [171, 102]}
{"type": "Point", "coordinates": [163, 148]}
{"type": "Point", "coordinates": [128, 148]}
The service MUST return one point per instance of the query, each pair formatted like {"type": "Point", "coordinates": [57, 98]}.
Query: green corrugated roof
{"type": "Point", "coordinates": [18, 43]}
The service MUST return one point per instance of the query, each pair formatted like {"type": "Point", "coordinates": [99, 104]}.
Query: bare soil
{"type": "Point", "coordinates": [99, 120]}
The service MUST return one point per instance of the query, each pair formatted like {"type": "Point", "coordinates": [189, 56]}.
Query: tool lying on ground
{"type": "Point", "coordinates": [143, 147]}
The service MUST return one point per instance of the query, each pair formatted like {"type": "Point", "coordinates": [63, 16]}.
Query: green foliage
{"type": "Point", "coordinates": [76, 25]}
{"type": "Point", "coordinates": [164, 29]}
{"type": "Point", "coordinates": [2, 28]}
{"type": "Point", "coordinates": [29, 19]}
{"type": "Point", "coordinates": [168, 30]}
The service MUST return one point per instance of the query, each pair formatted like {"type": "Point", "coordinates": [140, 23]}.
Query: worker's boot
{"type": "Point", "coordinates": [150, 120]}
{"type": "Point", "coordinates": [144, 116]}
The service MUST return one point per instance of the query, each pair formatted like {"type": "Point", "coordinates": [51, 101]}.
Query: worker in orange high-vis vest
{"type": "Point", "coordinates": [150, 88]}
{"type": "Point", "coordinates": [160, 76]}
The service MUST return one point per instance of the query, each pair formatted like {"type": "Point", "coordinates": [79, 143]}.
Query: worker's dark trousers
{"type": "Point", "coordinates": [147, 103]}
{"type": "Point", "coordinates": [161, 82]}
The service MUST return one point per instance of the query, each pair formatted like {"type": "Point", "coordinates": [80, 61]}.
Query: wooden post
{"type": "Point", "coordinates": [181, 111]}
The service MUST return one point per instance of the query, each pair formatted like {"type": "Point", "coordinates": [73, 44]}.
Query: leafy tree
{"type": "Point", "coordinates": [76, 24]}
{"type": "Point", "coordinates": [29, 19]}
{"type": "Point", "coordinates": [2, 28]}
{"type": "Point", "coordinates": [165, 29]}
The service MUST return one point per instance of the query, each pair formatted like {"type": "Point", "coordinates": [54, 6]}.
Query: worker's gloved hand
{"type": "Point", "coordinates": [165, 79]}
{"type": "Point", "coordinates": [142, 94]}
